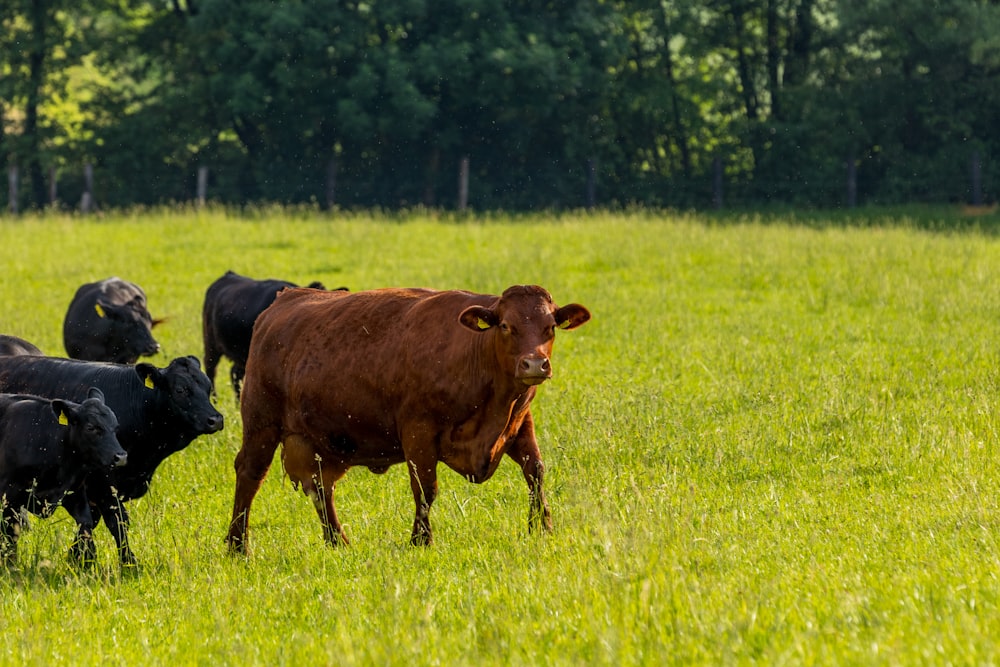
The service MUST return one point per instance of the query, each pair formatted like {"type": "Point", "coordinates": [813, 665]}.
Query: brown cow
{"type": "Point", "coordinates": [392, 376]}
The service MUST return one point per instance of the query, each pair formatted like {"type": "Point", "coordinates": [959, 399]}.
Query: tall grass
{"type": "Point", "coordinates": [775, 443]}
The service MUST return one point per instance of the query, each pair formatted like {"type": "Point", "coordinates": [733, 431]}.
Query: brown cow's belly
{"type": "Point", "coordinates": [472, 445]}
{"type": "Point", "coordinates": [368, 452]}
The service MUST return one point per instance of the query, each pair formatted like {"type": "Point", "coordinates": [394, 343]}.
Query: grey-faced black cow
{"type": "Point", "coordinates": [161, 411]}
{"type": "Point", "coordinates": [232, 304]}
{"type": "Point", "coordinates": [47, 449]}
{"type": "Point", "coordinates": [12, 345]}
{"type": "Point", "coordinates": [109, 321]}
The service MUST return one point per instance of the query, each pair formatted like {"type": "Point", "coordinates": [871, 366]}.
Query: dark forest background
{"type": "Point", "coordinates": [553, 104]}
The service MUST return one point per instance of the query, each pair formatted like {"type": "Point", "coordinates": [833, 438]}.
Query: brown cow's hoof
{"type": "Point", "coordinates": [236, 546]}
{"type": "Point", "coordinates": [421, 540]}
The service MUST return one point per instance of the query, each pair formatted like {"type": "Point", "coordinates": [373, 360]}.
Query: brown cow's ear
{"type": "Point", "coordinates": [478, 318]}
{"type": "Point", "coordinates": [571, 316]}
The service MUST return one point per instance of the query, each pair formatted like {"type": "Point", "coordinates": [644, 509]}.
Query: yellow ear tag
{"type": "Point", "coordinates": [100, 311]}
{"type": "Point", "coordinates": [149, 382]}
{"type": "Point", "coordinates": [482, 324]}
{"type": "Point", "coordinates": [63, 419]}
{"type": "Point", "coordinates": [564, 324]}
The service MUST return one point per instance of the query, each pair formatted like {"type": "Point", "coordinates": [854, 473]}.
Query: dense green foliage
{"type": "Point", "coordinates": [776, 443]}
{"type": "Point", "coordinates": [363, 103]}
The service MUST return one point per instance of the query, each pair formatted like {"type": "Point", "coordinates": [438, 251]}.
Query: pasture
{"type": "Point", "coordinates": [776, 442]}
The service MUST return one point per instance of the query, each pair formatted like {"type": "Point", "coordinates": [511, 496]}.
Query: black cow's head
{"type": "Point", "coordinates": [129, 329]}
{"type": "Point", "coordinates": [186, 390]}
{"type": "Point", "coordinates": [92, 427]}
{"type": "Point", "coordinates": [524, 320]}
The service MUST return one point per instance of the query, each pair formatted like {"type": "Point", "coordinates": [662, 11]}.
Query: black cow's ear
{"type": "Point", "coordinates": [64, 411]}
{"type": "Point", "coordinates": [148, 373]}
{"type": "Point", "coordinates": [571, 316]}
{"type": "Point", "coordinates": [478, 318]}
{"type": "Point", "coordinates": [94, 392]}
{"type": "Point", "coordinates": [106, 310]}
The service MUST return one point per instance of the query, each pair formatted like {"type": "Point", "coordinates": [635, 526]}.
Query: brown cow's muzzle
{"type": "Point", "coordinates": [534, 370]}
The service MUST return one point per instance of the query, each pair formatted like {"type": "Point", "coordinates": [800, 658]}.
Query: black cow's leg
{"type": "Point", "coordinates": [524, 450]}
{"type": "Point", "coordinates": [236, 373]}
{"type": "Point", "coordinates": [83, 551]}
{"type": "Point", "coordinates": [10, 532]}
{"type": "Point", "coordinates": [212, 356]}
{"type": "Point", "coordinates": [116, 517]}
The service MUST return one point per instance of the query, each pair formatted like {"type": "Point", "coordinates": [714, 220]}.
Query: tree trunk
{"type": "Point", "coordinates": [774, 60]}
{"type": "Point", "coordinates": [36, 78]}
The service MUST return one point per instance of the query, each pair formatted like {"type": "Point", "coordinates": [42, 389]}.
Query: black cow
{"type": "Point", "coordinates": [109, 321]}
{"type": "Point", "coordinates": [47, 448]}
{"type": "Point", "coordinates": [161, 411]}
{"type": "Point", "coordinates": [11, 345]}
{"type": "Point", "coordinates": [232, 304]}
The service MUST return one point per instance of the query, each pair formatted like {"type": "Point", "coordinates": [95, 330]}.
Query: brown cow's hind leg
{"type": "Point", "coordinates": [252, 463]}
{"type": "Point", "coordinates": [318, 478]}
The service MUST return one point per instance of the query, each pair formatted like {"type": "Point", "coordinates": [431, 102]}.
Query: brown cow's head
{"type": "Point", "coordinates": [524, 320]}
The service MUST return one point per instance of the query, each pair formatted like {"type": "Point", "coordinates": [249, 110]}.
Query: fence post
{"type": "Point", "coordinates": [87, 199]}
{"type": "Point", "coordinates": [202, 190]}
{"type": "Point", "coordinates": [852, 182]}
{"type": "Point", "coordinates": [53, 188]}
{"type": "Point", "coordinates": [977, 179]}
{"type": "Point", "coordinates": [591, 183]}
{"type": "Point", "coordinates": [12, 188]}
{"type": "Point", "coordinates": [463, 183]}
{"type": "Point", "coordinates": [330, 187]}
{"type": "Point", "coordinates": [717, 183]}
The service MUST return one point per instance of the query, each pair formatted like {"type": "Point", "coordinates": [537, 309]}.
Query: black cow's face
{"type": "Point", "coordinates": [187, 391]}
{"type": "Point", "coordinates": [129, 330]}
{"type": "Point", "coordinates": [524, 321]}
{"type": "Point", "coordinates": [92, 426]}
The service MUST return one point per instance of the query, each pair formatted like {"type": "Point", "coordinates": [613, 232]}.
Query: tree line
{"type": "Point", "coordinates": [557, 103]}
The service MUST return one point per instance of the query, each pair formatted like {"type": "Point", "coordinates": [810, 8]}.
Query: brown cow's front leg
{"type": "Point", "coordinates": [423, 483]}
{"type": "Point", "coordinates": [318, 477]}
{"type": "Point", "coordinates": [524, 450]}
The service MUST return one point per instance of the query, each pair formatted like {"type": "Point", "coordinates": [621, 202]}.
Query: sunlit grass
{"type": "Point", "coordinates": [776, 442]}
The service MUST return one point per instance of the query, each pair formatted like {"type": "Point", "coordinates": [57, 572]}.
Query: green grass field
{"type": "Point", "coordinates": [775, 443]}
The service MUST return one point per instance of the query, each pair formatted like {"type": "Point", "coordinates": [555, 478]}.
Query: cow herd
{"type": "Point", "coordinates": [337, 378]}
